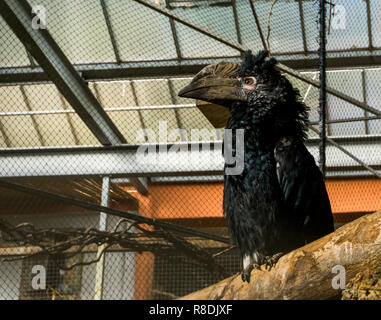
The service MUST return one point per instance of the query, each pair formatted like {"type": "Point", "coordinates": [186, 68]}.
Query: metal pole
{"type": "Point", "coordinates": [323, 92]}
{"type": "Point", "coordinates": [99, 276]}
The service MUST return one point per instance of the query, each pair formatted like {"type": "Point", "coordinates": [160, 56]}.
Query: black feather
{"type": "Point", "coordinates": [264, 214]}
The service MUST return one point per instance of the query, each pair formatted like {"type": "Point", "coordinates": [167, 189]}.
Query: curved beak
{"type": "Point", "coordinates": [217, 83]}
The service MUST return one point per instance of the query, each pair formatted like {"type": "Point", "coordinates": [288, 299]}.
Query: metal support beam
{"type": "Point", "coordinates": [69, 111]}
{"type": "Point", "coordinates": [189, 160]}
{"type": "Point", "coordinates": [140, 184]}
{"type": "Point", "coordinates": [364, 97]}
{"type": "Point", "coordinates": [366, 119]}
{"type": "Point", "coordinates": [174, 34]}
{"type": "Point", "coordinates": [31, 60]}
{"type": "Point", "coordinates": [110, 31]}
{"type": "Point", "coordinates": [187, 66]}
{"type": "Point", "coordinates": [348, 153]}
{"type": "Point", "coordinates": [69, 119]}
{"type": "Point", "coordinates": [35, 124]}
{"type": "Point", "coordinates": [7, 141]}
{"type": "Point", "coordinates": [329, 90]}
{"type": "Point", "coordinates": [173, 95]}
{"type": "Point", "coordinates": [301, 16]}
{"type": "Point", "coordinates": [264, 44]}
{"type": "Point", "coordinates": [50, 57]}
{"type": "Point", "coordinates": [236, 21]}
{"type": "Point", "coordinates": [136, 101]}
{"type": "Point", "coordinates": [369, 23]}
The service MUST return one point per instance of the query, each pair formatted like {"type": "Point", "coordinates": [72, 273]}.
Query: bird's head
{"type": "Point", "coordinates": [224, 82]}
{"type": "Point", "coordinates": [254, 85]}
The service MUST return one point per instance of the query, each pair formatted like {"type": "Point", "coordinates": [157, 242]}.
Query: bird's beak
{"type": "Point", "coordinates": [217, 83]}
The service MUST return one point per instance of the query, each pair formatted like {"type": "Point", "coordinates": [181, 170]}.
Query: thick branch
{"type": "Point", "coordinates": [306, 273]}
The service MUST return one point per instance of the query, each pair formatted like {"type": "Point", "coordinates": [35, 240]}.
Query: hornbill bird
{"type": "Point", "coordinates": [279, 201]}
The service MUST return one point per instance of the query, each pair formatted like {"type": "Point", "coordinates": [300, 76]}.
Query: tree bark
{"type": "Point", "coordinates": [306, 273]}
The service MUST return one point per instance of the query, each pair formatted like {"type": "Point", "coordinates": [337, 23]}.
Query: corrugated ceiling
{"type": "Point", "coordinates": [36, 115]}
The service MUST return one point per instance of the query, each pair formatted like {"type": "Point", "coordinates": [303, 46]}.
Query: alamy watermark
{"type": "Point", "coordinates": [39, 20]}
{"type": "Point", "coordinates": [339, 18]}
{"type": "Point", "coordinates": [39, 280]}
{"type": "Point", "coordinates": [195, 151]}
{"type": "Point", "coordinates": [339, 280]}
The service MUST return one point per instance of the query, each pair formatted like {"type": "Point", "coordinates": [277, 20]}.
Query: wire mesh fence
{"type": "Point", "coordinates": [86, 85]}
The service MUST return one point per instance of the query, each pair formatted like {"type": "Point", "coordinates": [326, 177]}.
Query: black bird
{"type": "Point", "coordinates": [279, 201]}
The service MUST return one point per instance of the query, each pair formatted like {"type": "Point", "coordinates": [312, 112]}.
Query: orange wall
{"type": "Point", "coordinates": [204, 200]}
{"type": "Point", "coordinates": [355, 195]}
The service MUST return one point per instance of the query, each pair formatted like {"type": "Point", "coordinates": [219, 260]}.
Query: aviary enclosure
{"type": "Point", "coordinates": [111, 185]}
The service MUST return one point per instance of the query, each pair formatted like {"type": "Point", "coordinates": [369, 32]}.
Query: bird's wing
{"type": "Point", "coordinates": [303, 188]}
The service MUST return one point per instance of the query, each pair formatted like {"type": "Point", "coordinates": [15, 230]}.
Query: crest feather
{"type": "Point", "coordinates": [257, 64]}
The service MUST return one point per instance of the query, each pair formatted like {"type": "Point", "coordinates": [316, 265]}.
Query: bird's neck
{"type": "Point", "coordinates": [267, 122]}
{"type": "Point", "coordinates": [260, 140]}
{"type": "Point", "coordinates": [260, 135]}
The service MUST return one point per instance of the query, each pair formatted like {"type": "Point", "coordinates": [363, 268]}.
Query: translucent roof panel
{"type": "Point", "coordinates": [44, 97]}
{"type": "Point", "coordinates": [150, 93]}
{"type": "Point", "coordinates": [37, 115]}
{"type": "Point", "coordinates": [21, 131]}
{"type": "Point", "coordinates": [140, 33]}
{"type": "Point", "coordinates": [79, 29]}
{"type": "Point", "coordinates": [311, 27]}
{"type": "Point", "coordinates": [55, 129]}
{"type": "Point", "coordinates": [285, 33]}
{"type": "Point", "coordinates": [218, 19]}
{"type": "Point", "coordinates": [127, 31]}
{"type": "Point", "coordinates": [113, 94]}
{"type": "Point", "coordinates": [348, 26]}
{"type": "Point", "coordinates": [159, 123]}
{"type": "Point", "coordinates": [349, 82]}
{"type": "Point", "coordinates": [82, 133]}
{"type": "Point", "coordinates": [249, 32]}
{"type": "Point", "coordinates": [310, 95]}
{"type": "Point", "coordinates": [12, 51]}
{"type": "Point", "coordinates": [376, 22]}
{"type": "Point", "coordinates": [150, 106]}
{"type": "Point", "coordinates": [129, 123]}
{"type": "Point", "coordinates": [193, 119]}
{"type": "Point", "coordinates": [373, 97]}
{"type": "Point", "coordinates": [11, 99]}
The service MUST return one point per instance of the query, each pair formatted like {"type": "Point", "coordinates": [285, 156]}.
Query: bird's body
{"type": "Point", "coordinates": [252, 200]}
{"type": "Point", "coordinates": [303, 189]}
{"type": "Point", "coordinates": [279, 201]}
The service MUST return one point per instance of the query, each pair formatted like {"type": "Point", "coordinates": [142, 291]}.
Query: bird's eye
{"type": "Point", "coordinates": [249, 81]}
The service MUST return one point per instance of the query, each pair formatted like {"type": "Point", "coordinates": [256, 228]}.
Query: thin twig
{"type": "Point", "coordinates": [269, 25]}
{"type": "Point", "coordinates": [223, 251]}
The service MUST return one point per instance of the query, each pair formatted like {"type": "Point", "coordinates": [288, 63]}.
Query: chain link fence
{"type": "Point", "coordinates": [86, 85]}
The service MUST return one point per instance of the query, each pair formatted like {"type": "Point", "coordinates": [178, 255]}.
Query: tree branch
{"type": "Point", "coordinates": [134, 236]}
{"type": "Point", "coordinates": [306, 273]}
